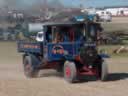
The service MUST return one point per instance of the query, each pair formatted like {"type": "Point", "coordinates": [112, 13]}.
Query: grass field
{"type": "Point", "coordinates": [118, 24]}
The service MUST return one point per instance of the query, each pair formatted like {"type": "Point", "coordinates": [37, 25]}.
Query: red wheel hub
{"type": "Point", "coordinates": [68, 71]}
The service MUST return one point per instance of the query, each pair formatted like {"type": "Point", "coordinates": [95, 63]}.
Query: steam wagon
{"type": "Point", "coordinates": [68, 47]}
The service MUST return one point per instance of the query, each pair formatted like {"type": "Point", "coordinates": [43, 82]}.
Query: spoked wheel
{"type": "Point", "coordinates": [103, 71]}
{"type": "Point", "coordinates": [29, 71]}
{"type": "Point", "coordinates": [70, 72]}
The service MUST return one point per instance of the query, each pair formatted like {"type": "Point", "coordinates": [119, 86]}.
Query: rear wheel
{"type": "Point", "coordinates": [103, 71]}
{"type": "Point", "coordinates": [70, 72]}
{"type": "Point", "coordinates": [29, 70]}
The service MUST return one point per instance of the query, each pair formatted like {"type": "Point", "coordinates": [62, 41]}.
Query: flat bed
{"type": "Point", "coordinates": [30, 47]}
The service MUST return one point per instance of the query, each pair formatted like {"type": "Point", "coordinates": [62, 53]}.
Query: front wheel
{"type": "Point", "coordinates": [70, 72]}
{"type": "Point", "coordinates": [103, 71]}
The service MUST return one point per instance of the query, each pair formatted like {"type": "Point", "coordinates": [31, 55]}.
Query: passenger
{"type": "Point", "coordinates": [58, 38]}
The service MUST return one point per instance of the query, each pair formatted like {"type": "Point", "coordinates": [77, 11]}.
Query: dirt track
{"type": "Point", "coordinates": [13, 82]}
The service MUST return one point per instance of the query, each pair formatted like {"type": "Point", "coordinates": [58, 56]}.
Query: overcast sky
{"type": "Point", "coordinates": [86, 3]}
